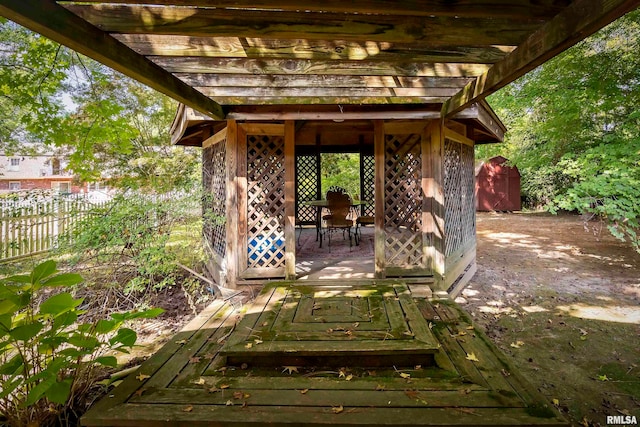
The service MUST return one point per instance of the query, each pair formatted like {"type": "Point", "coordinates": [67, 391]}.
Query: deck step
{"type": "Point", "coordinates": [332, 325]}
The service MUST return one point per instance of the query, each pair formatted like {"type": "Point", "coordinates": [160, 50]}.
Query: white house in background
{"type": "Point", "coordinates": [39, 172]}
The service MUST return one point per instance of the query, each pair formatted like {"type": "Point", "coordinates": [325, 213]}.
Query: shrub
{"type": "Point", "coordinates": [48, 356]}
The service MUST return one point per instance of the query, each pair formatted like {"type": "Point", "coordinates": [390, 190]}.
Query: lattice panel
{"type": "Point", "coordinates": [403, 200]}
{"type": "Point", "coordinates": [215, 196]}
{"type": "Point", "coordinates": [265, 201]}
{"type": "Point", "coordinates": [306, 187]}
{"type": "Point", "coordinates": [367, 181]}
{"type": "Point", "coordinates": [459, 202]}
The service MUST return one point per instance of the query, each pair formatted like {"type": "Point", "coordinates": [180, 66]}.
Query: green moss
{"type": "Point", "coordinates": [540, 411]}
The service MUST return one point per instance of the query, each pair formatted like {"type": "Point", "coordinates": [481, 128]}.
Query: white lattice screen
{"type": "Point", "coordinates": [403, 200]}
{"type": "Point", "coordinates": [265, 201]}
{"type": "Point", "coordinates": [460, 215]}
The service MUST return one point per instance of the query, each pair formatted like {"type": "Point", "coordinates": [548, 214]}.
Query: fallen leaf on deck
{"type": "Point", "coordinates": [223, 386]}
{"type": "Point", "coordinates": [248, 345]}
{"type": "Point", "coordinates": [142, 377]}
{"type": "Point", "coordinates": [380, 387]}
{"type": "Point", "coordinates": [188, 409]}
{"type": "Point", "coordinates": [265, 323]}
{"type": "Point", "coordinates": [470, 328]}
{"type": "Point", "coordinates": [195, 359]}
{"type": "Point", "coordinates": [305, 391]}
{"type": "Point", "coordinates": [349, 377]}
{"type": "Point", "coordinates": [337, 409]}
{"type": "Point", "coordinates": [258, 341]}
{"type": "Point", "coordinates": [214, 389]}
{"type": "Point", "coordinates": [237, 395]}
{"type": "Point", "coordinates": [555, 402]}
{"type": "Point", "coordinates": [181, 342]}
{"type": "Point", "coordinates": [140, 391]}
{"type": "Point", "coordinates": [412, 394]}
{"type": "Point", "coordinates": [505, 373]}
{"type": "Point", "coordinates": [603, 378]}
{"type": "Point", "coordinates": [405, 376]}
{"type": "Point", "coordinates": [430, 325]}
{"type": "Point", "coordinates": [517, 344]}
{"type": "Point", "coordinates": [472, 357]}
{"type": "Point", "coordinates": [229, 403]}
{"type": "Point", "coordinates": [290, 369]}
{"type": "Point", "coordinates": [418, 367]}
{"type": "Point", "coordinates": [355, 325]}
{"type": "Point", "coordinates": [199, 381]}
{"type": "Point", "coordinates": [409, 334]}
{"type": "Point", "coordinates": [209, 356]}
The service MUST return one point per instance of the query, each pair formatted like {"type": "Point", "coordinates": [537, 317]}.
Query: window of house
{"type": "Point", "coordinates": [61, 187]}
{"type": "Point", "coordinates": [14, 164]}
{"type": "Point", "coordinates": [55, 166]}
{"type": "Point", "coordinates": [14, 186]}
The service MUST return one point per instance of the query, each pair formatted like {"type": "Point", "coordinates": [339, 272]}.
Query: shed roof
{"type": "Point", "coordinates": [220, 57]}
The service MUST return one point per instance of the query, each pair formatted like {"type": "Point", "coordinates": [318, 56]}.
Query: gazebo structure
{"type": "Point", "coordinates": [266, 87]}
{"type": "Point", "coordinates": [417, 174]}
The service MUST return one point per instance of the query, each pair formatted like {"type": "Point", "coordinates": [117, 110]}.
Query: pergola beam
{"type": "Point", "coordinates": [581, 19]}
{"type": "Point", "coordinates": [363, 27]}
{"type": "Point", "coordinates": [503, 8]}
{"type": "Point", "coordinates": [58, 24]}
{"type": "Point", "coordinates": [261, 48]}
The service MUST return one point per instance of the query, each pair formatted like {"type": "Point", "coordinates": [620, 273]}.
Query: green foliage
{"type": "Point", "coordinates": [48, 355]}
{"type": "Point", "coordinates": [107, 125]}
{"type": "Point", "coordinates": [128, 243]}
{"type": "Point", "coordinates": [573, 128]}
{"type": "Point", "coordinates": [126, 240]}
{"type": "Point", "coordinates": [341, 170]}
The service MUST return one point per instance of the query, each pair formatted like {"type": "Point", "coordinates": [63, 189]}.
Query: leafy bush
{"type": "Point", "coordinates": [125, 242]}
{"type": "Point", "coordinates": [48, 355]}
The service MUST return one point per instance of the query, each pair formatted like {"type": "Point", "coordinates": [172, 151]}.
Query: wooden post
{"type": "Point", "coordinates": [231, 209]}
{"type": "Point", "coordinates": [380, 236]}
{"type": "Point", "coordinates": [436, 193]}
{"type": "Point", "coordinates": [241, 173]}
{"type": "Point", "coordinates": [289, 200]}
{"type": "Point", "coordinates": [427, 202]}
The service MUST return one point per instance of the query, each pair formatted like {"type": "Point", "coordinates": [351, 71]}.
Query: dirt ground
{"type": "Point", "coordinates": [563, 302]}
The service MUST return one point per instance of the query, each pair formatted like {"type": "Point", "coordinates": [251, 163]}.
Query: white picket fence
{"type": "Point", "coordinates": [32, 224]}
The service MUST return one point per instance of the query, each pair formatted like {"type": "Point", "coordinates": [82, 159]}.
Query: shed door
{"type": "Point", "coordinates": [261, 200]}
{"type": "Point", "coordinates": [399, 159]}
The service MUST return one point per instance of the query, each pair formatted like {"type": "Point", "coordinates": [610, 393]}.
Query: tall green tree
{"type": "Point", "coordinates": [107, 124]}
{"type": "Point", "coordinates": [573, 128]}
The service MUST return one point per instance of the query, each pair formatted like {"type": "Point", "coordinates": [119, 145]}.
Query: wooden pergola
{"type": "Point", "coordinates": [260, 80]}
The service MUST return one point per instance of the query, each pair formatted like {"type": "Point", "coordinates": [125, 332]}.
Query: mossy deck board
{"type": "Point", "coordinates": [192, 382]}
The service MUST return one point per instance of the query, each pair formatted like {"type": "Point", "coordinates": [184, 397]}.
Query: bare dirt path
{"type": "Point", "coordinates": [564, 304]}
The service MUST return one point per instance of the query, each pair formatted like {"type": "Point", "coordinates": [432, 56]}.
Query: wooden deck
{"type": "Point", "coordinates": [327, 355]}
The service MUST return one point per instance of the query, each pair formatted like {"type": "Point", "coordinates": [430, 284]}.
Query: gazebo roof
{"type": "Point", "coordinates": [226, 56]}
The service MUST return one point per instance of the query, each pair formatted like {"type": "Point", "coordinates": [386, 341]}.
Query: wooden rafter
{"type": "Point", "coordinates": [259, 48]}
{"type": "Point", "coordinates": [310, 67]}
{"type": "Point", "coordinates": [318, 81]}
{"type": "Point", "coordinates": [58, 24]}
{"type": "Point", "coordinates": [581, 19]}
{"type": "Point", "coordinates": [208, 22]}
{"type": "Point", "coordinates": [469, 8]}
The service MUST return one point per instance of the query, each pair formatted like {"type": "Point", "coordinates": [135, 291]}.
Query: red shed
{"type": "Point", "coordinates": [497, 186]}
